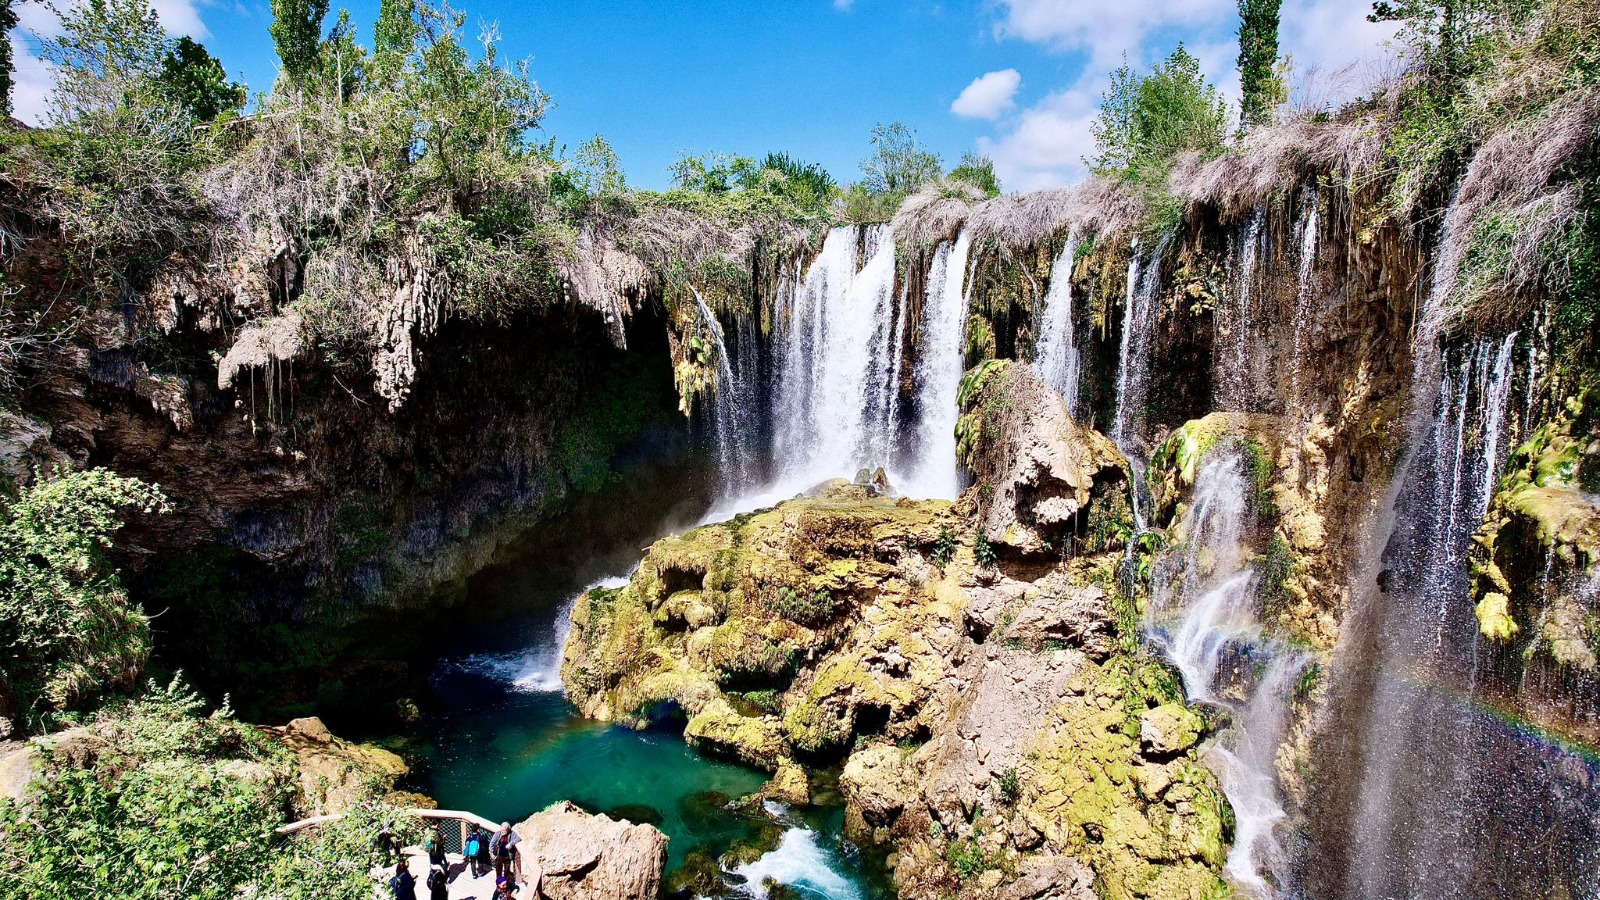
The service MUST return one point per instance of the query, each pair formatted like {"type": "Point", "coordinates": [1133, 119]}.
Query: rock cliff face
{"type": "Point", "coordinates": [999, 724]}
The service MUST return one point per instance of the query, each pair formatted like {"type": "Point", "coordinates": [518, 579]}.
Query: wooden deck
{"type": "Point", "coordinates": [462, 885]}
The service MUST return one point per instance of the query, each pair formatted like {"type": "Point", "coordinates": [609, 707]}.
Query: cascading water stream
{"type": "Point", "coordinates": [1133, 369]}
{"type": "Point", "coordinates": [1236, 368]}
{"type": "Point", "coordinates": [1203, 613]}
{"type": "Point", "coordinates": [1431, 793]}
{"type": "Point", "coordinates": [1057, 358]}
{"type": "Point", "coordinates": [938, 372]}
{"type": "Point", "coordinates": [731, 403]}
{"type": "Point", "coordinates": [1306, 232]}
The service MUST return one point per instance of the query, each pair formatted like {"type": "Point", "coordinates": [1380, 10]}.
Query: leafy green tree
{"type": "Point", "coordinates": [978, 171]}
{"type": "Point", "coordinates": [808, 184]}
{"type": "Point", "coordinates": [1145, 121]}
{"type": "Point", "coordinates": [108, 58]}
{"type": "Point", "coordinates": [1261, 89]}
{"type": "Point", "coordinates": [471, 116]}
{"type": "Point", "coordinates": [1451, 38]}
{"type": "Point", "coordinates": [194, 79]}
{"type": "Point", "coordinates": [596, 170]}
{"type": "Point", "coordinates": [8, 67]}
{"type": "Point", "coordinates": [396, 29]}
{"type": "Point", "coordinates": [899, 164]}
{"type": "Point", "coordinates": [67, 631]}
{"type": "Point", "coordinates": [342, 64]}
{"type": "Point", "coordinates": [297, 34]}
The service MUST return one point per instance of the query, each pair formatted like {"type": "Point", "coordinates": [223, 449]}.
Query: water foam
{"type": "Point", "coordinates": [801, 863]}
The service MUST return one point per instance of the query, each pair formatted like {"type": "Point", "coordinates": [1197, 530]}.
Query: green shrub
{"type": "Point", "coordinates": [944, 548]}
{"type": "Point", "coordinates": [158, 801]}
{"type": "Point", "coordinates": [983, 552]}
{"type": "Point", "coordinates": [67, 632]}
{"type": "Point", "coordinates": [966, 858]}
{"type": "Point", "coordinates": [1009, 787]}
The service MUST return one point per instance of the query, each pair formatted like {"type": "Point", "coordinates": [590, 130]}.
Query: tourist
{"type": "Point", "coordinates": [438, 883]}
{"type": "Point", "coordinates": [504, 850]}
{"type": "Point", "coordinates": [476, 851]}
{"type": "Point", "coordinates": [505, 889]}
{"type": "Point", "coordinates": [405, 886]}
{"type": "Point", "coordinates": [435, 848]}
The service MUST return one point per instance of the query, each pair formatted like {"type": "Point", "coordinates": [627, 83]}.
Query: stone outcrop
{"type": "Point", "coordinates": [999, 725]}
{"type": "Point", "coordinates": [572, 855]}
{"type": "Point", "coordinates": [1038, 472]}
{"type": "Point", "coordinates": [333, 774]}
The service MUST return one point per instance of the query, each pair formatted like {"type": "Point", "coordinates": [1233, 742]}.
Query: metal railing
{"type": "Point", "coordinates": [451, 826]}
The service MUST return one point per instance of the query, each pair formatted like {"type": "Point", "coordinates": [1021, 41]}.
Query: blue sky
{"type": "Point", "coordinates": [1017, 79]}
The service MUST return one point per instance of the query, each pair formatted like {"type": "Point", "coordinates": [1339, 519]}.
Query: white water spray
{"type": "Point", "coordinates": [939, 367]}
{"type": "Point", "coordinates": [1203, 598]}
{"type": "Point", "coordinates": [536, 669]}
{"type": "Point", "coordinates": [1057, 357]}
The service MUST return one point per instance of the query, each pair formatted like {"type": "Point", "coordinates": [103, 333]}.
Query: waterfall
{"type": "Point", "coordinates": [1139, 315]}
{"type": "Point", "coordinates": [1056, 359]}
{"type": "Point", "coordinates": [940, 358]}
{"type": "Point", "coordinates": [1203, 611]}
{"type": "Point", "coordinates": [835, 407]}
{"type": "Point", "coordinates": [1306, 231]}
{"type": "Point", "coordinates": [1237, 372]}
{"type": "Point", "coordinates": [1429, 792]}
{"type": "Point", "coordinates": [732, 401]}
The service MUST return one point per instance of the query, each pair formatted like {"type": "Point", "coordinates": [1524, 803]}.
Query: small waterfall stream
{"type": "Point", "coordinates": [1057, 357]}
{"type": "Point", "coordinates": [940, 362]}
{"type": "Point", "coordinates": [1202, 611]}
{"type": "Point", "coordinates": [732, 400]}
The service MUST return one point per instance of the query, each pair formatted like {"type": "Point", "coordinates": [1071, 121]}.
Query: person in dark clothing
{"type": "Point", "coordinates": [505, 889]}
{"type": "Point", "coordinates": [438, 883]}
{"type": "Point", "coordinates": [503, 847]}
{"type": "Point", "coordinates": [405, 886]}
{"type": "Point", "coordinates": [436, 855]}
{"type": "Point", "coordinates": [386, 845]}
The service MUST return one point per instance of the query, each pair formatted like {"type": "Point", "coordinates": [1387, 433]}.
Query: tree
{"type": "Point", "coordinates": [69, 631]}
{"type": "Point", "coordinates": [8, 21]}
{"type": "Point", "coordinates": [192, 78]}
{"type": "Point", "coordinates": [1146, 121]}
{"type": "Point", "coordinates": [108, 60]}
{"type": "Point", "coordinates": [1451, 37]}
{"type": "Point", "coordinates": [396, 28]}
{"type": "Point", "coordinates": [596, 169]}
{"type": "Point", "coordinates": [898, 164]}
{"type": "Point", "coordinates": [1261, 90]}
{"type": "Point", "coordinates": [297, 34]}
{"type": "Point", "coordinates": [978, 171]}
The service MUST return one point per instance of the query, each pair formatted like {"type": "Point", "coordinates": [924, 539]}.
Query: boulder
{"type": "Point", "coordinates": [1170, 729]}
{"type": "Point", "coordinates": [572, 855]}
{"type": "Point", "coordinates": [1051, 878]}
{"type": "Point", "coordinates": [335, 774]}
{"type": "Point", "coordinates": [1036, 473]}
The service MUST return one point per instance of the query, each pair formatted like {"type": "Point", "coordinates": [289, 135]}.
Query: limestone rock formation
{"type": "Point", "coordinates": [1000, 727]}
{"type": "Point", "coordinates": [1037, 470]}
{"type": "Point", "coordinates": [334, 774]}
{"type": "Point", "coordinates": [573, 855]}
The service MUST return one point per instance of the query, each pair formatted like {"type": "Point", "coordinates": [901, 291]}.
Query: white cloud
{"type": "Point", "coordinates": [988, 95]}
{"type": "Point", "coordinates": [1105, 31]}
{"type": "Point", "coordinates": [35, 79]}
{"type": "Point", "coordinates": [1046, 145]}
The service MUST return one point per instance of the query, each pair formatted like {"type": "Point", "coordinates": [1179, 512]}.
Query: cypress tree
{"type": "Point", "coordinates": [1258, 57]}
{"type": "Point", "coordinates": [8, 21]}
{"type": "Point", "coordinates": [297, 33]}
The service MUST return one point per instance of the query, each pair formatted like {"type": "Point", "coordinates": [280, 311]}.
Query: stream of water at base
{"type": "Point", "coordinates": [506, 744]}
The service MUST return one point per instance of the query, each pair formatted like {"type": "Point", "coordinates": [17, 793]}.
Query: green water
{"type": "Point", "coordinates": [501, 741]}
